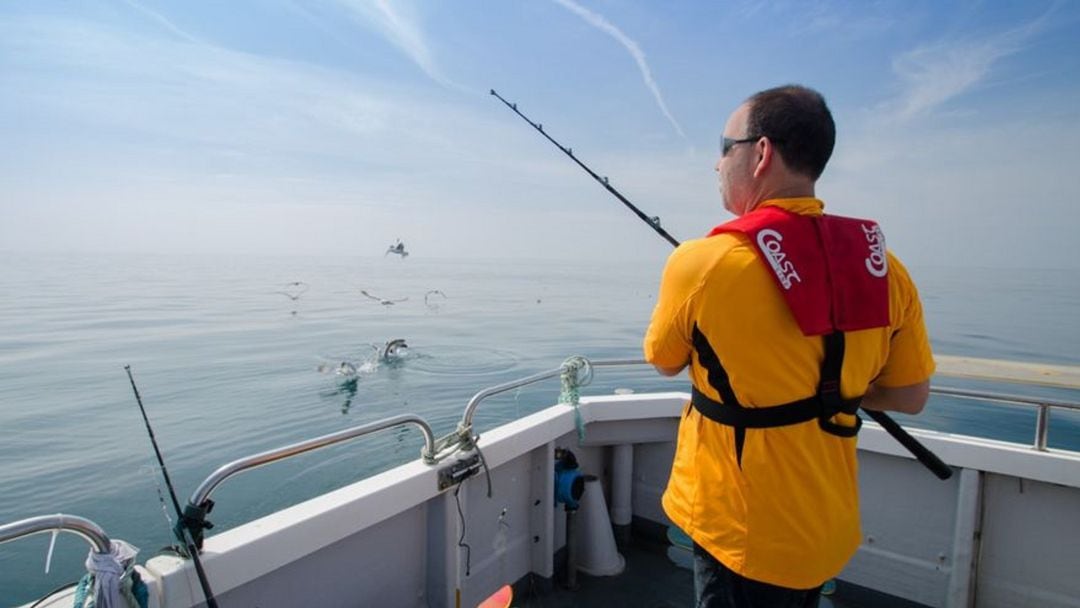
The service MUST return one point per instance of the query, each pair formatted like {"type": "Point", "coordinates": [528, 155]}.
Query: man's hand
{"type": "Point", "coordinates": [908, 399]}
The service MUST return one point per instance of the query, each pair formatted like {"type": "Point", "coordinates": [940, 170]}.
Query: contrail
{"type": "Point", "coordinates": [162, 21]}
{"type": "Point", "coordinates": [401, 32]}
{"type": "Point", "coordinates": [632, 47]}
{"type": "Point", "coordinates": [935, 74]}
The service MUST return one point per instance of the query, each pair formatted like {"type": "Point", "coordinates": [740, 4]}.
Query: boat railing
{"type": "Point", "coordinates": [80, 526]}
{"type": "Point", "coordinates": [1042, 405]}
{"type": "Point", "coordinates": [576, 371]}
{"type": "Point", "coordinates": [470, 408]}
{"type": "Point", "coordinates": [202, 493]}
{"type": "Point", "coordinates": [1009, 372]}
{"type": "Point", "coordinates": [572, 370]}
{"type": "Point", "coordinates": [193, 521]}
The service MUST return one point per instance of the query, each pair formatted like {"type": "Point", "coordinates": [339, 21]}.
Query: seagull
{"type": "Point", "coordinates": [345, 369]}
{"type": "Point", "coordinates": [383, 301]}
{"type": "Point", "coordinates": [394, 349]}
{"type": "Point", "coordinates": [432, 292]}
{"type": "Point", "coordinates": [398, 248]}
{"type": "Point", "coordinates": [298, 288]}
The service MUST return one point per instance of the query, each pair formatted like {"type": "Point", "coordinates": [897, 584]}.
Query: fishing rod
{"type": "Point", "coordinates": [652, 221]}
{"type": "Point", "coordinates": [192, 550]}
{"type": "Point", "coordinates": [921, 452]}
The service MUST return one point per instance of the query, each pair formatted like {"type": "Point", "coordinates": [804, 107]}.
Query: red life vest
{"type": "Point", "coordinates": [831, 270]}
{"type": "Point", "coordinates": [833, 274]}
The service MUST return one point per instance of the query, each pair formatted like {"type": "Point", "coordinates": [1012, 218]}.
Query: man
{"type": "Point", "coordinates": [786, 316]}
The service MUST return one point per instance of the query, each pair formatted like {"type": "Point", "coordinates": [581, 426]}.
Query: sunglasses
{"type": "Point", "coordinates": [727, 143]}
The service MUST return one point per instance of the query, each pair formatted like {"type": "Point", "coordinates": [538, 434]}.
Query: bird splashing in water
{"type": "Point", "coordinates": [394, 350]}
{"type": "Point", "coordinates": [430, 299]}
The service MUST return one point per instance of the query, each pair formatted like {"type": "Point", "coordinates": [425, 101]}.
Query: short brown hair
{"type": "Point", "coordinates": [799, 124]}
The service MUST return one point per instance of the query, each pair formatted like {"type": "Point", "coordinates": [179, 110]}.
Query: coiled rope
{"type": "Point", "coordinates": [576, 373]}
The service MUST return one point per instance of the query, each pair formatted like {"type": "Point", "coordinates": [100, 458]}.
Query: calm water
{"type": "Point", "coordinates": [228, 367]}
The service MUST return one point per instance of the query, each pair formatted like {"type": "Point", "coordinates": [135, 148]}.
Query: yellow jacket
{"type": "Point", "coordinates": [788, 513]}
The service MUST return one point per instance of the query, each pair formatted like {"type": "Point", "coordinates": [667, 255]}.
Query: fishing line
{"type": "Point", "coordinates": [192, 550]}
{"type": "Point", "coordinates": [924, 455]}
{"type": "Point", "coordinates": [151, 470]}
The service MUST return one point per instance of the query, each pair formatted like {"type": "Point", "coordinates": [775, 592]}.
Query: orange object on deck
{"type": "Point", "coordinates": [499, 599]}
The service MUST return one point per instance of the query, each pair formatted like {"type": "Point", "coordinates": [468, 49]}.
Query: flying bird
{"type": "Point", "coordinates": [398, 248]}
{"type": "Point", "coordinates": [433, 292]}
{"type": "Point", "coordinates": [383, 301]}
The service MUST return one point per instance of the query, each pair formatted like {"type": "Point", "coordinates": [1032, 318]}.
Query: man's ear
{"type": "Point", "coordinates": [765, 151]}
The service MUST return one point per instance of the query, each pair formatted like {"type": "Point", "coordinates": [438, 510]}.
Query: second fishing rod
{"type": "Point", "coordinates": [921, 452]}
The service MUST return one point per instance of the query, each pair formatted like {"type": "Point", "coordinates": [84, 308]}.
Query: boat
{"type": "Point", "coordinates": [475, 512]}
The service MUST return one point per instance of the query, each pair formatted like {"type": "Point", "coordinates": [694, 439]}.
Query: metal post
{"type": "Point", "coordinates": [571, 550]}
{"type": "Point", "coordinates": [1042, 427]}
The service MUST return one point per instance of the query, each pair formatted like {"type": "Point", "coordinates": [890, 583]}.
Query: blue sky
{"type": "Point", "coordinates": [335, 126]}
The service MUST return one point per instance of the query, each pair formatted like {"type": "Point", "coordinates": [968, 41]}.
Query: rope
{"type": "Point", "coordinates": [111, 580]}
{"type": "Point", "coordinates": [576, 373]}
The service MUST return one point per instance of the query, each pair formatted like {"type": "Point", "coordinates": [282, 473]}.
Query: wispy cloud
{"type": "Point", "coordinates": [401, 31]}
{"type": "Point", "coordinates": [162, 21]}
{"type": "Point", "coordinates": [933, 74]}
{"type": "Point", "coordinates": [207, 125]}
{"type": "Point", "coordinates": [602, 24]}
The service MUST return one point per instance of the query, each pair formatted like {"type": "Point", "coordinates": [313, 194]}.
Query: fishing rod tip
{"type": "Point", "coordinates": [493, 91]}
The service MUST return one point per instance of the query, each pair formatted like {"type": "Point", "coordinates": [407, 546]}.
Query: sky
{"type": "Point", "coordinates": [334, 127]}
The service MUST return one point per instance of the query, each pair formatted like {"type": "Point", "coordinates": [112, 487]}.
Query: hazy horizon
{"type": "Point", "coordinates": [335, 127]}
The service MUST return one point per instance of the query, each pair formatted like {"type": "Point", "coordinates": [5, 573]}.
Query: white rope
{"type": "Point", "coordinates": [52, 545]}
{"type": "Point", "coordinates": [110, 571]}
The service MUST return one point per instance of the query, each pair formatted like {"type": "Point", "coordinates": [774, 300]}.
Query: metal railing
{"type": "Point", "coordinates": [1043, 405]}
{"type": "Point", "coordinates": [1042, 414]}
{"type": "Point", "coordinates": [464, 439]}
{"type": "Point", "coordinates": [202, 493]}
{"type": "Point", "coordinates": [80, 526]}
{"type": "Point", "coordinates": [434, 450]}
{"type": "Point", "coordinates": [470, 408]}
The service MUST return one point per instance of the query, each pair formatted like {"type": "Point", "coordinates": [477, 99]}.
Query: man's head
{"type": "Point", "coordinates": [776, 144]}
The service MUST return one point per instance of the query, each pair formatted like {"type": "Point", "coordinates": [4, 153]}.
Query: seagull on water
{"type": "Point", "coordinates": [383, 301]}
{"type": "Point", "coordinates": [294, 290]}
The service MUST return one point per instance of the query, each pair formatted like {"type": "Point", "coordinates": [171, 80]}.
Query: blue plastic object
{"type": "Point", "coordinates": [569, 482]}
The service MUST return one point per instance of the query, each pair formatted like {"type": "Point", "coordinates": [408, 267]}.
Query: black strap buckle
{"type": "Point", "coordinates": [832, 404]}
{"type": "Point", "coordinates": [839, 430]}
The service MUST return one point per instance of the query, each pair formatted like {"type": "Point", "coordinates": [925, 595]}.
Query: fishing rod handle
{"type": "Point", "coordinates": [921, 452]}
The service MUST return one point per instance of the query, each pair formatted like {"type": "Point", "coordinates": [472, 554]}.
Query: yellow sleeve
{"type": "Point", "coordinates": [910, 358]}
{"type": "Point", "coordinates": [668, 338]}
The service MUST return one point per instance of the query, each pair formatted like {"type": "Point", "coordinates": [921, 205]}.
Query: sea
{"type": "Point", "coordinates": [234, 355]}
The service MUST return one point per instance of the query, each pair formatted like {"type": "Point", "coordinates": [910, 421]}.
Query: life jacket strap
{"type": "Point", "coordinates": [787, 414]}
{"type": "Point", "coordinates": [823, 405]}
